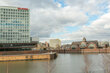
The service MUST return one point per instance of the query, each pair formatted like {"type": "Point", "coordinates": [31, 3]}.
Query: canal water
{"type": "Point", "coordinates": [64, 63]}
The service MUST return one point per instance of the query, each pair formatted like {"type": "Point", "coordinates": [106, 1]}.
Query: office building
{"type": "Point", "coordinates": [14, 25]}
{"type": "Point", "coordinates": [15, 29]}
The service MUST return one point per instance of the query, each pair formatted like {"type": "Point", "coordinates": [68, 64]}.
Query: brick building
{"type": "Point", "coordinates": [84, 44]}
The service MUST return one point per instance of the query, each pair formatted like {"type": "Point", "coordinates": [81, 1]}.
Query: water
{"type": "Point", "coordinates": [65, 63]}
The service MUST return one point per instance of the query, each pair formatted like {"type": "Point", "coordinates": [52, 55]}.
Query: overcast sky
{"type": "Point", "coordinates": [68, 20]}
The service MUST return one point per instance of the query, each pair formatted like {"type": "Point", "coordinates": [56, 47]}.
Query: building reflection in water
{"type": "Point", "coordinates": [88, 63]}
{"type": "Point", "coordinates": [49, 66]}
{"type": "Point", "coordinates": [106, 63]}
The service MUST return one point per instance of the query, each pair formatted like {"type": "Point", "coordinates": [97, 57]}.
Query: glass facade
{"type": "Point", "coordinates": [14, 25]}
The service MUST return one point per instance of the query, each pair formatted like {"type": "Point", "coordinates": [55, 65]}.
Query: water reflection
{"type": "Point", "coordinates": [99, 63]}
{"type": "Point", "coordinates": [65, 63]}
{"type": "Point", "coordinates": [106, 63]}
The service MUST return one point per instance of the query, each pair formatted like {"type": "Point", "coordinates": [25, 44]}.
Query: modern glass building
{"type": "Point", "coordinates": [14, 25]}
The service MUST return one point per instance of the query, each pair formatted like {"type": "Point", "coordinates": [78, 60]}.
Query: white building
{"type": "Point", "coordinates": [54, 43]}
{"type": "Point", "coordinates": [103, 43]}
{"type": "Point", "coordinates": [14, 25]}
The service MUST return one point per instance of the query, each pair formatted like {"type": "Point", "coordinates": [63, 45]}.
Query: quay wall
{"type": "Point", "coordinates": [28, 57]}
{"type": "Point", "coordinates": [96, 50]}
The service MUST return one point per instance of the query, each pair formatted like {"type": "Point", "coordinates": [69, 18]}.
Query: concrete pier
{"type": "Point", "coordinates": [28, 57]}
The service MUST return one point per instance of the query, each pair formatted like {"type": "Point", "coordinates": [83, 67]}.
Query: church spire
{"type": "Point", "coordinates": [84, 39]}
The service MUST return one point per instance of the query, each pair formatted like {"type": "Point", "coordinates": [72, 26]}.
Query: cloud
{"type": "Point", "coordinates": [3, 3]}
{"type": "Point", "coordinates": [93, 7]}
{"type": "Point", "coordinates": [97, 30]}
{"type": "Point", "coordinates": [107, 26]}
{"type": "Point", "coordinates": [50, 20]}
{"type": "Point", "coordinates": [30, 3]}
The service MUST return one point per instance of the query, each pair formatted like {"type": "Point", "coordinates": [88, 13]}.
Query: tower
{"type": "Point", "coordinates": [84, 39]}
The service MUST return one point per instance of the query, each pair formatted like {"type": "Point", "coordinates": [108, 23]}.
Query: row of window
{"type": "Point", "coordinates": [15, 13]}
{"type": "Point", "coordinates": [15, 34]}
{"type": "Point", "coordinates": [14, 19]}
{"type": "Point", "coordinates": [8, 13]}
{"type": "Point", "coordinates": [17, 29]}
{"type": "Point", "coordinates": [2, 9]}
{"type": "Point", "coordinates": [15, 22]}
{"type": "Point", "coordinates": [14, 41]}
{"type": "Point", "coordinates": [14, 29]}
{"type": "Point", "coordinates": [3, 36]}
{"type": "Point", "coordinates": [3, 16]}
{"type": "Point", "coordinates": [11, 33]}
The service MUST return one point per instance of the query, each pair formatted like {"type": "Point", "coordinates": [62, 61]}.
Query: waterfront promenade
{"type": "Point", "coordinates": [26, 57]}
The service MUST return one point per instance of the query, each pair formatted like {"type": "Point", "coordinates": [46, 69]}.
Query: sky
{"type": "Point", "coordinates": [68, 20]}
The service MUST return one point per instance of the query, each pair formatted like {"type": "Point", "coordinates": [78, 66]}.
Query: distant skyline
{"type": "Point", "coordinates": [67, 19]}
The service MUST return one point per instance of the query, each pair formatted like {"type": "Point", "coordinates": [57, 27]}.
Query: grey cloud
{"type": "Point", "coordinates": [50, 20]}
